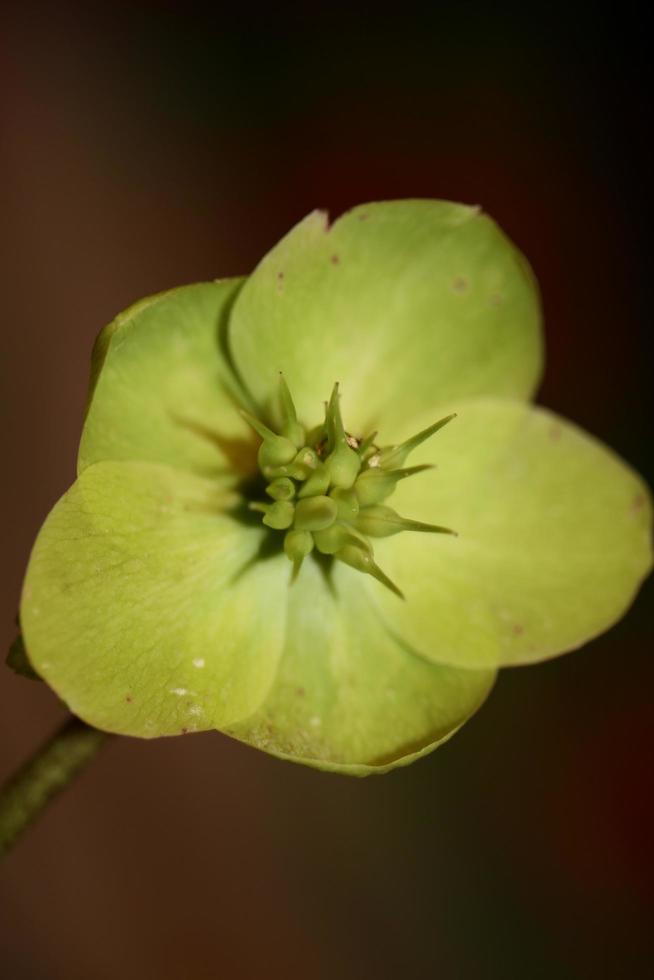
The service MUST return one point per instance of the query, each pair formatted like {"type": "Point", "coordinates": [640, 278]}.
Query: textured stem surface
{"type": "Point", "coordinates": [49, 771]}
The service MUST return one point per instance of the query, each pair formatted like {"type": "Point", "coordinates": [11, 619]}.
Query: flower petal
{"type": "Point", "coordinates": [161, 386]}
{"type": "Point", "coordinates": [348, 697]}
{"type": "Point", "coordinates": [554, 539]}
{"type": "Point", "coordinates": [402, 302]}
{"type": "Point", "coordinates": [141, 608]}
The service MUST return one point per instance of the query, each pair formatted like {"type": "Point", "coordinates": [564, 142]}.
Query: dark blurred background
{"type": "Point", "coordinates": [152, 144]}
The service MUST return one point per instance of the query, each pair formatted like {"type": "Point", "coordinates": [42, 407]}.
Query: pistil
{"type": "Point", "coordinates": [328, 487]}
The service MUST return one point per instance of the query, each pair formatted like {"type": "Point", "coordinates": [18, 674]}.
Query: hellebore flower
{"type": "Point", "coordinates": [159, 597]}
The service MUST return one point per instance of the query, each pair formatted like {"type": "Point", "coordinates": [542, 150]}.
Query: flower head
{"type": "Point", "coordinates": [160, 599]}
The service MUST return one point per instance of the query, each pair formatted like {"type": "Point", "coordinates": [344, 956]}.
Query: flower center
{"type": "Point", "coordinates": [328, 488]}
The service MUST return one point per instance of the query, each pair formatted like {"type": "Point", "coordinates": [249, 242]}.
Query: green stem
{"type": "Point", "coordinates": [49, 771]}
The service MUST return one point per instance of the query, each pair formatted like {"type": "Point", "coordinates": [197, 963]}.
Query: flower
{"type": "Point", "coordinates": [158, 601]}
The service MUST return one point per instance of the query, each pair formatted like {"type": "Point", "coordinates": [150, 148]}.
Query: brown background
{"type": "Point", "coordinates": [151, 144]}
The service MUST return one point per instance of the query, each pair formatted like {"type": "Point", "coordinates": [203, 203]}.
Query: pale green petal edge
{"type": "Point", "coordinates": [404, 303]}
{"type": "Point", "coordinates": [354, 769]}
{"type": "Point", "coordinates": [347, 696]}
{"type": "Point", "coordinates": [145, 606]}
{"type": "Point", "coordinates": [554, 539]}
{"type": "Point", "coordinates": [163, 389]}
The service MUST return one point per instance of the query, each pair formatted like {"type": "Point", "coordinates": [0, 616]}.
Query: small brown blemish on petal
{"type": "Point", "coordinates": [495, 299]}
{"type": "Point", "coordinates": [517, 629]}
{"type": "Point", "coordinates": [335, 259]}
{"type": "Point", "coordinates": [184, 731]}
{"type": "Point", "coordinates": [364, 216]}
{"type": "Point", "coordinates": [638, 503]}
{"type": "Point", "coordinates": [300, 692]}
{"type": "Point", "coordinates": [555, 433]}
{"type": "Point", "coordinates": [280, 281]}
{"type": "Point", "coordinates": [460, 284]}
{"type": "Point", "coordinates": [129, 698]}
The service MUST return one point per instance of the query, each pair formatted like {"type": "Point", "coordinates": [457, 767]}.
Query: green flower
{"type": "Point", "coordinates": [160, 598]}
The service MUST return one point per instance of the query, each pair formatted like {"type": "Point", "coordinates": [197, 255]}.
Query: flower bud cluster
{"type": "Point", "coordinates": [328, 489]}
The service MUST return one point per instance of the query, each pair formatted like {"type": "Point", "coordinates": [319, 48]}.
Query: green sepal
{"type": "Point", "coordinates": [145, 606]}
{"type": "Point", "coordinates": [554, 539]}
{"type": "Point", "coordinates": [163, 389]}
{"type": "Point", "coordinates": [402, 302]}
{"type": "Point", "coordinates": [348, 695]}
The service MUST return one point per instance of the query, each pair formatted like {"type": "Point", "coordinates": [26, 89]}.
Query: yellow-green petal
{"type": "Point", "coordinates": [554, 539]}
{"type": "Point", "coordinates": [347, 696]}
{"type": "Point", "coordinates": [145, 606]}
{"type": "Point", "coordinates": [162, 390]}
{"type": "Point", "coordinates": [402, 302]}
